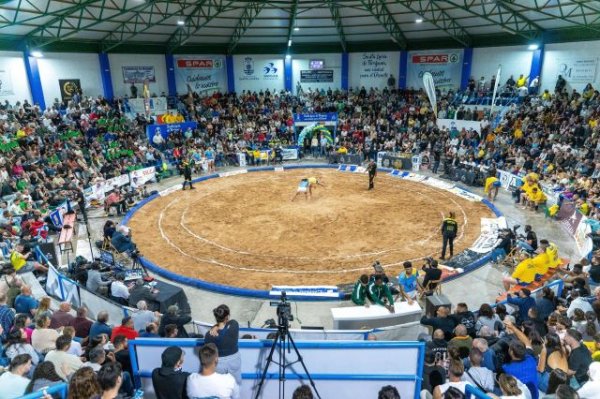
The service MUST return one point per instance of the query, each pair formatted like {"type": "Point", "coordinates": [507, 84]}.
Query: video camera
{"type": "Point", "coordinates": [284, 310]}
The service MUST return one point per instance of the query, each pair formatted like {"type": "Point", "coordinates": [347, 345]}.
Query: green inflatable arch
{"type": "Point", "coordinates": [313, 129]}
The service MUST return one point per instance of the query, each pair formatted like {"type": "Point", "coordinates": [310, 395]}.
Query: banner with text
{"type": "Point", "coordinates": [488, 239]}
{"type": "Point", "coordinates": [99, 189]}
{"type": "Point", "coordinates": [578, 70]}
{"type": "Point", "coordinates": [256, 73]}
{"type": "Point", "coordinates": [372, 69]}
{"type": "Point", "coordinates": [444, 65]}
{"type": "Point", "coordinates": [138, 74]}
{"type": "Point", "coordinates": [167, 128]}
{"type": "Point", "coordinates": [316, 75]}
{"type": "Point", "coordinates": [201, 74]}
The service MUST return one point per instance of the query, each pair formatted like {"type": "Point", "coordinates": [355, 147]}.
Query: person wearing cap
{"type": "Point", "coordinates": [168, 380]}
{"type": "Point", "coordinates": [524, 301]}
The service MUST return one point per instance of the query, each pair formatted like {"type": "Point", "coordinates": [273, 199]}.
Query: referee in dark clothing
{"type": "Point", "coordinates": [187, 175]}
{"type": "Point", "coordinates": [449, 230]}
{"type": "Point", "coordinates": [372, 169]}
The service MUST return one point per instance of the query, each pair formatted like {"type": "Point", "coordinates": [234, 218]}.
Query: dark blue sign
{"type": "Point", "coordinates": [328, 117]}
{"type": "Point", "coordinates": [167, 128]}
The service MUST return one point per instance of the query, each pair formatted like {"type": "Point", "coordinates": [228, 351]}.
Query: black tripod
{"type": "Point", "coordinates": [283, 338]}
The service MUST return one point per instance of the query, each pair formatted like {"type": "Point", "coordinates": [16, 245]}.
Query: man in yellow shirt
{"type": "Point", "coordinates": [524, 274]}
{"type": "Point", "coordinates": [19, 261]}
{"type": "Point", "coordinates": [522, 81]}
{"type": "Point", "coordinates": [535, 198]}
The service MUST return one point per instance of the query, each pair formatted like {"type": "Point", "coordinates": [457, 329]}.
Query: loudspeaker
{"type": "Point", "coordinates": [433, 302]}
{"type": "Point", "coordinates": [51, 252]}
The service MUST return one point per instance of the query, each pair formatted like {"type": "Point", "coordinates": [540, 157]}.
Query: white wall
{"type": "Point", "coordinates": [581, 58]}
{"type": "Point", "coordinates": [332, 61]}
{"type": "Point", "coordinates": [82, 66]}
{"type": "Point", "coordinates": [515, 60]}
{"type": "Point", "coordinates": [258, 72]}
{"type": "Point", "coordinates": [117, 61]}
{"type": "Point", "coordinates": [372, 69]}
{"type": "Point", "coordinates": [15, 86]}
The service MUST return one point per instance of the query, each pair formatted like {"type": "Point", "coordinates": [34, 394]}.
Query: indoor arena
{"type": "Point", "coordinates": [299, 199]}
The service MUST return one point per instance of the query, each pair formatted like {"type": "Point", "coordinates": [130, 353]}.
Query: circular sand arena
{"type": "Point", "coordinates": [245, 231]}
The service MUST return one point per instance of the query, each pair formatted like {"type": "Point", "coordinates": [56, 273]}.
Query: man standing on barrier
{"type": "Point", "coordinates": [372, 170]}
{"type": "Point", "coordinates": [449, 230]}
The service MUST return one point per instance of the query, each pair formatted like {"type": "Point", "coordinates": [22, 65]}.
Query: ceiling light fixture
{"type": "Point", "coordinates": [290, 43]}
{"type": "Point", "coordinates": [533, 47]}
{"type": "Point", "coordinates": [288, 57]}
{"type": "Point", "coordinates": [296, 29]}
{"type": "Point", "coordinates": [180, 22]}
{"type": "Point", "coordinates": [37, 54]}
{"type": "Point", "coordinates": [418, 20]}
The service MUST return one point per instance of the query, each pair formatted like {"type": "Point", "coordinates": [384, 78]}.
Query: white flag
{"type": "Point", "coordinates": [429, 85]}
{"type": "Point", "coordinates": [495, 90]}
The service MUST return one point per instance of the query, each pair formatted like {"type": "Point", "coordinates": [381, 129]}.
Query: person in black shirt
{"type": "Point", "coordinates": [225, 335]}
{"type": "Point", "coordinates": [465, 317]}
{"type": "Point", "coordinates": [580, 357]}
{"type": "Point", "coordinates": [187, 175]}
{"type": "Point", "coordinates": [594, 272]}
{"type": "Point", "coordinates": [531, 239]}
{"type": "Point", "coordinates": [168, 380]}
{"type": "Point", "coordinates": [372, 170]}
{"type": "Point", "coordinates": [442, 321]}
{"type": "Point", "coordinates": [432, 273]}
{"type": "Point", "coordinates": [449, 230]}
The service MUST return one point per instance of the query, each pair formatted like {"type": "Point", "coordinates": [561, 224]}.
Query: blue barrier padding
{"type": "Point", "coordinates": [266, 343]}
{"type": "Point", "coordinates": [311, 166]}
{"type": "Point", "coordinates": [261, 169]}
{"type": "Point", "coordinates": [133, 210]}
{"type": "Point", "coordinates": [471, 390]}
{"type": "Point", "coordinates": [60, 389]}
{"type": "Point", "coordinates": [493, 207]}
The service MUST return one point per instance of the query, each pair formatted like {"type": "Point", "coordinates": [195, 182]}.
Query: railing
{"type": "Point", "coordinates": [60, 389]}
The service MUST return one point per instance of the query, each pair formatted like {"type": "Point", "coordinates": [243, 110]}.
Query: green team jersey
{"type": "Point", "coordinates": [359, 293]}
{"type": "Point", "coordinates": [378, 292]}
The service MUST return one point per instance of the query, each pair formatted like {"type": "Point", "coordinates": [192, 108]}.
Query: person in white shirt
{"type": "Point", "coordinates": [143, 316]}
{"type": "Point", "coordinates": [208, 383]}
{"type": "Point", "coordinates": [158, 139]}
{"type": "Point", "coordinates": [97, 357]}
{"type": "Point", "coordinates": [13, 382]}
{"type": "Point", "coordinates": [479, 376]}
{"type": "Point", "coordinates": [64, 363]}
{"type": "Point", "coordinates": [455, 374]}
{"type": "Point", "coordinates": [591, 389]}
{"type": "Point", "coordinates": [577, 302]}
{"type": "Point", "coordinates": [118, 290]}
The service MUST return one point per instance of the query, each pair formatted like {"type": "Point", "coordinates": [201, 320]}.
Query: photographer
{"type": "Point", "coordinates": [225, 335]}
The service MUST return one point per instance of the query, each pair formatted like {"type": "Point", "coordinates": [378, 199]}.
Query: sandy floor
{"type": "Point", "coordinates": [244, 230]}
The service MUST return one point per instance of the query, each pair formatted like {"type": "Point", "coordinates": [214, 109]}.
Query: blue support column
{"type": "Point", "coordinates": [35, 82]}
{"type": "Point", "coordinates": [345, 71]}
{"type": "Point", "coordinates": [287, 73]}
{"type": "Point", "coordinates": [230, 74]}
{"type": "Point", "coordinates": [170, 62]}
{"type": "Point", "coordinates": [466, 67]}
{"type": "Point", "coordinates": [403, 70]}
{"type": "Point", "coordinates": [106, 76]}
{"type": "Point", "coordinates": [536, 63]}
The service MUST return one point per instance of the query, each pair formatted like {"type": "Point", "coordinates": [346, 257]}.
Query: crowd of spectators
{"type": "Point", "coordinates": [51, 156]}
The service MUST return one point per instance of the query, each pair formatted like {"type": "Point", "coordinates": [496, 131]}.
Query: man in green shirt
{"type": "Point", "coordinates": [380, 293]}
{"type": "Point", "coordinates": [359, 293]}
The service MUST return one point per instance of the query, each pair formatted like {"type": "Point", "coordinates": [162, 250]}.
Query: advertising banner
{"type": "Point", "coordinates": [201, 74]}
{"type": "Point", "coordinates": [258, 73]}
{"type": "Point", "coordinates": [289, 153]}
{"type": "Point", "coordinates": [316, 75]}
{"type": "Point", "coordinates": [578, 70]}
{"type": "Point", "coordinates": [143, 175]}
{"type": "Point", "coordinates": [68, 88]}
{"type": "Point", "coordinates": [311, 118]}
{"type": "Point", "coordinates": [167, 128]}
{"type": "Point", "coordinates": [585, 245]}
{"type": "Point", "coordinates": [373, 69]}
{"type": "Point", "coordinates": [6, 88]}
{"type": "Point", "coordinates": [444, 65]}
{"type": "Point", "coordinates": [488, 239]}
{"type": "Point", "coordinates": [138, 74]}
{"type": "Point", "coordinates": [509, 181]}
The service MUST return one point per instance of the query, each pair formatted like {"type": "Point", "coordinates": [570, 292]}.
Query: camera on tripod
{"type": "Point", "coordinates": [284, 310]}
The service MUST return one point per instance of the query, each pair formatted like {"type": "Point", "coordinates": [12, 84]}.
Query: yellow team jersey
{"type": "Point", "coordinates": [312, 180]}
{"type": "Point", "coordinates": [525, 271]}
{"type": "Point", "coordinates": [538, 197]}
{"type": "Point", "coordinates": [521, 82]}
{"type": "Point", "coordinates": [17, 260]}
{"type": "Point", "coordinates": [488, 183]}
{"type": "Point", "coordinates": [343, 150]}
